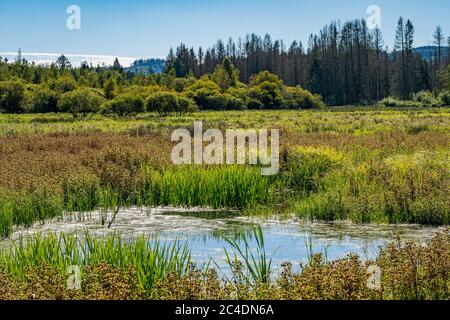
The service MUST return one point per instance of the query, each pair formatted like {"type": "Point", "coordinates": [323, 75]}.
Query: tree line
{"type": "Point", "coordinates": [346, 64]}
{"type": "Point", "coordinates": [342, 65]}
{"type": "Point", "coordinates": [29, 88]}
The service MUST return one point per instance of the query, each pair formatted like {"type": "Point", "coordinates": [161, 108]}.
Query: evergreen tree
{"type": "Point", "coordinates": [63, 63]}
{"type": "Point", "coordinates": [116, 66]}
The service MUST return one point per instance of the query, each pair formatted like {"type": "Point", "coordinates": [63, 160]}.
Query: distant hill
{"type": "Point", "coordinates": [146, 66]}
{"type": "Point", "coordinates": [429, 52]}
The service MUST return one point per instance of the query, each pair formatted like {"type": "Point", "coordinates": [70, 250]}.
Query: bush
{"type": "Point", "coordinates": [81, 101]}
{"type": "Point", "coordinates": [427, 99]}
{"type": "Point", "coordinates": [203, 83]}
{"type": "Point", "coordinates": [42, 99]}
{"type": "Point", "coordinates": [240, 93]}
{"type": "Point", "coordinates": [185, 105]}
{"type": "Point", "coordinates": [445, 98]}
{"type": "Point", "coordinates": [201, 91]}
{"type": "Point", "coordinates": [180, 84]}
{"type": "Point", "coordinates": [127, 104]}
{"type": "Point", "coordinates": [12, 97]}
{"type": "Point", "coordinates": [266, 76]}
{"type": "Point", "coordinates": [267, 95]}
{"type": "Point", "coordinates": [166, 103]}
{"type": "Point", "coordinates": [224, 101]}
{"type": "Point", "coordinates": [142, 91]}
{"type": "Point", "coordinates": [395, 103]}
{"type": "Point", "coordinates": [63, 84]}
{"type": "Point", "coordinates": [208, 96]}
{"type": "Point", "coordinates": [298, 98]}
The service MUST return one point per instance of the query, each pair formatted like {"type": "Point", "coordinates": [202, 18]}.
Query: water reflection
{"type": "Point", "coordinates": [203, 231]}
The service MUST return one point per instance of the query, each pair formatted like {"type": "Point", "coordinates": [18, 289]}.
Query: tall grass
{"type": "Point", "coordinates": [162, 271]}
{"type": "Point", "coordinates": [405, 188]}
{"type": "Point", "coordinates": [216, 187]}
{"type": "Point", "coordinates": [234, 187]}
{"type": "Point", "coordinates": [258, 266]}
{"type": "Point", "coordinates": [151, 261]}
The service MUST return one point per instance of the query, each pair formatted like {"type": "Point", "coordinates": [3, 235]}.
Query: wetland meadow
{"type": "Point", "coordinates": [357, 187]}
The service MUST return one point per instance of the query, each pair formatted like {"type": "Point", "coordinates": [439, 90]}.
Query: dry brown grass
{"type": "Point", "coordinates": [32, 162]}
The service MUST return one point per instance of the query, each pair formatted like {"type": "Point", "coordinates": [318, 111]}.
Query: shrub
{"type": "Point", "coordinates": [42, 99]}
{"type": "Point", "coordinates": [445, 98]}
{"type": "Point", "coordinates": [221, 101]}
{"type": "Point", "coordinates": [110, 89]}
{"type": "Point", "coordinates": [12, 97]}
{"type": "Point", "coordinates": [81, 101]}
{"type": "Point", "coordinates": [142, 91]}
{"type": "Point", "coordinates": [298, 98]}
{"type": "Point", "coordinates": [266, 76]}
{"type": "Point", "coordinates": [127, 104]}
{"type": "Point", "coordinates": [266, 94]}
{"type": "Point", "coordinates": [180, 84]}
{"type": "Point", "coordinates": [240, 93]}
{"type": "Point", "coordinates": [63, 84]}
{"type": "Point", "coordinates": [395, 103]}
{"type": "Point", "coordinates": [166, 103]}
{"type": "Point", "coordinates": [427, 99]}
{"type": "Point", "coordinates": [185, 105]}
{"type": "Point", "coordinates": [204, 83]}
{"type": "Point", "coordinates": [201, 91]}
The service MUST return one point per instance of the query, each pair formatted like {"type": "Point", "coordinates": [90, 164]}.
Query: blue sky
{"type": "Point", "coordinates": [149, 28]}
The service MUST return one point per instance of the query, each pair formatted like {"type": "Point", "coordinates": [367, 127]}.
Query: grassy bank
{"type": "Point", "coordinates": [114, 269]}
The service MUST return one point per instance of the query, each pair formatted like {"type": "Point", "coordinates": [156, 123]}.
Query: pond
{"type": "Point", "coordinates": [204, 230]}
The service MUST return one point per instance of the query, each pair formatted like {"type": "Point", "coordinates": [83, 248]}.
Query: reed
{"type": "Point", "coordinates": [114, 268]}
{"type": "Point", "coordinates": [255, 260]}
{"type": "Point", "coordinates": [151, 260]}
{"type": "Point", "coordinates": [216, 187]}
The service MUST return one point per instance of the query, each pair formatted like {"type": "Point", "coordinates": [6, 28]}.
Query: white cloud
{"type": "Point", "coordinates": [75, 59]}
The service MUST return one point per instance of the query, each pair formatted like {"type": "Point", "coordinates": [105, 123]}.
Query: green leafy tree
{"type": "Point", "coordinates": [167, 103]}
{"type": "Point", "coordinates": [63, 84]}
{"type": "Point", "coordinates": [225, 75]}
{"type": "Point", "coordinates": [42, 99]}
{"type": "Point", "coordinates": [110, 89]}
{"type": "Point", "coordinates": [81, 101]}
{"type": "Point", "coordinates": [266, 95]}
{"type": "Point", "coordinates": [127, 104]}
{"type": "Point", "coordinates": [298, 98]}
{"type": "Point", "coordinates": [266, 76]}
{"type": "Point", "coordinates": [12, 97]}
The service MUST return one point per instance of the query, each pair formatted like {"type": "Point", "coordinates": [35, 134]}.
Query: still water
{"type": "Point", "coordinates": [204, 230]}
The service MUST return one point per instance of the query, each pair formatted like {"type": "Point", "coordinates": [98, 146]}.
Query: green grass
{"type": "Point", "coordinates": [217, 187]}
{"type": "Point", "coordinates": [257, 264]}
{"type": "Point", "coordinates": [360, 164]}
{"type": "Point", "coordinates": [407, 188]}
{"type": "Point", "coordinates": [115, 268]}
{"type": "Point", "coordinates": [152, 261]}
{"type": "Point", "coordinates": [356, 120]}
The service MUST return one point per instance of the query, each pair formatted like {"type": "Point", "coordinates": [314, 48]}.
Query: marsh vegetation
{"type": "Point", "coordinates": [366, 165]}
